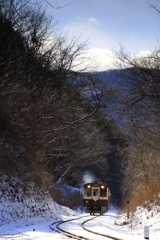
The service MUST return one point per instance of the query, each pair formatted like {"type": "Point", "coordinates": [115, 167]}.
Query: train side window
{"type": "Point", "coordinates": [95, 192]}
{"type": "Point", "coordinates": [103, 192]}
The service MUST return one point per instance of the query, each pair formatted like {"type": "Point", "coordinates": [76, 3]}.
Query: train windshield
{"type": "Point", "coordinates": [95, 192]}
{"type": "Point", "coordinates": [87, 192]}
{"type": "Point", "coordinates": [103, 191]}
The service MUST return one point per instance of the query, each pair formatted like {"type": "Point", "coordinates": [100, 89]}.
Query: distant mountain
{"type": "Point", "coordinates": [113, 76]}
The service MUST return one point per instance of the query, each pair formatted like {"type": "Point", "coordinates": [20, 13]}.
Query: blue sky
{"type": "Point", "coordinates": [106, 23]}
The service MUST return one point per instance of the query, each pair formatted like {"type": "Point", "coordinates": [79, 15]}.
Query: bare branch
{"type": "Point", "coordinates": [57, 7]}
{"type": "Point", "coordinates": [61, 178]}
{"type": "Point", "coordinates": [154, 7]}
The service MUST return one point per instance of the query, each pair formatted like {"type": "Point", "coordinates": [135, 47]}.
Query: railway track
{"type": "Point", "coordinates": [75, 236]}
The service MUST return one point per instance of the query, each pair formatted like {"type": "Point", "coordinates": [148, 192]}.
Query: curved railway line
{"type": "Point", "coordinates": [75, 236]}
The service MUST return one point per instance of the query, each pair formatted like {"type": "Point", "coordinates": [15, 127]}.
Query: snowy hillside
{"type": "Point", "coordinates": [24, 201]}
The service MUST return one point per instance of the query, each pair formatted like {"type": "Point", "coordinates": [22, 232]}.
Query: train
{"type": "Point", "coordinates": [96, 198]}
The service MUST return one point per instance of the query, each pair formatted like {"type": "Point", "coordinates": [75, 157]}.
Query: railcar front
{"type": "Point", "coordinates": [95, 198]}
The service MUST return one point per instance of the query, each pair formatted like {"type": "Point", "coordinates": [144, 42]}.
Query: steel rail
{"type": "Point", "coordinates": [101, 234]}
{"type": "Point", "coordinates": [66, 233]}
{"type": "Point", "coordinates": [75, 236]}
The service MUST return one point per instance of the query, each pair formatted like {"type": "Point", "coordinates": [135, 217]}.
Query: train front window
{"type": "Point", "coordinates": [95, 192]}
{"type": "Point", "coordinates": [87, 192]}
{"type": "Point", "coordinates": [103, 192]}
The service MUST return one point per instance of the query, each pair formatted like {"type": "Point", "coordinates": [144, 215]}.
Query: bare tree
{"type": "Point", "coordinates": [139, 98]}
{"type": "Point", "coordinates": [49, 103]}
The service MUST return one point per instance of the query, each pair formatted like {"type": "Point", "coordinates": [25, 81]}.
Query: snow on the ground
{"type": "Point", "coordinates": [110, 224]}
{"type": "Point", "coordinates": [119, 226]}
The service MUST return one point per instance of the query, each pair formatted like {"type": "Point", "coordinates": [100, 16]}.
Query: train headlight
{"type": "Point", "coordinates": [102, 187]}
{"type": "Point", "coordinates": [88, 186]}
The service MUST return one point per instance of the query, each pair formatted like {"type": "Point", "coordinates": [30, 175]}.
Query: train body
{"type": "Point", "coordinates": [95, 198]}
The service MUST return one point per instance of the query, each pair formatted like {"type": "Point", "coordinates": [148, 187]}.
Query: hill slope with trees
{"type": "Point", "coordinates": [52, 124]}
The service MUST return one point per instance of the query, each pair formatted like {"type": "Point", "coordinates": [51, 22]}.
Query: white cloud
{"type": "Point", "coordinates": [99, 37]}
{"type": "Point", "coordinates": [102, 59]}
{"type": "Point", "coordinates": [93, 20]}
{"type": "Point", "coordinates": [88, 20]}
{"type": "Point", "coordinates": [101, 44]}
{"type": "Point", "coordinates": [142, 54]}
{"type": "Point", "coordinates": [96, 60]}
{"type": "Point", "coordinates": [89, 29]}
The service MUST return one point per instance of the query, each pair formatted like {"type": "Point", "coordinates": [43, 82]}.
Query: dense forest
{"type": "Point", "coordinates": [59, 120]}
